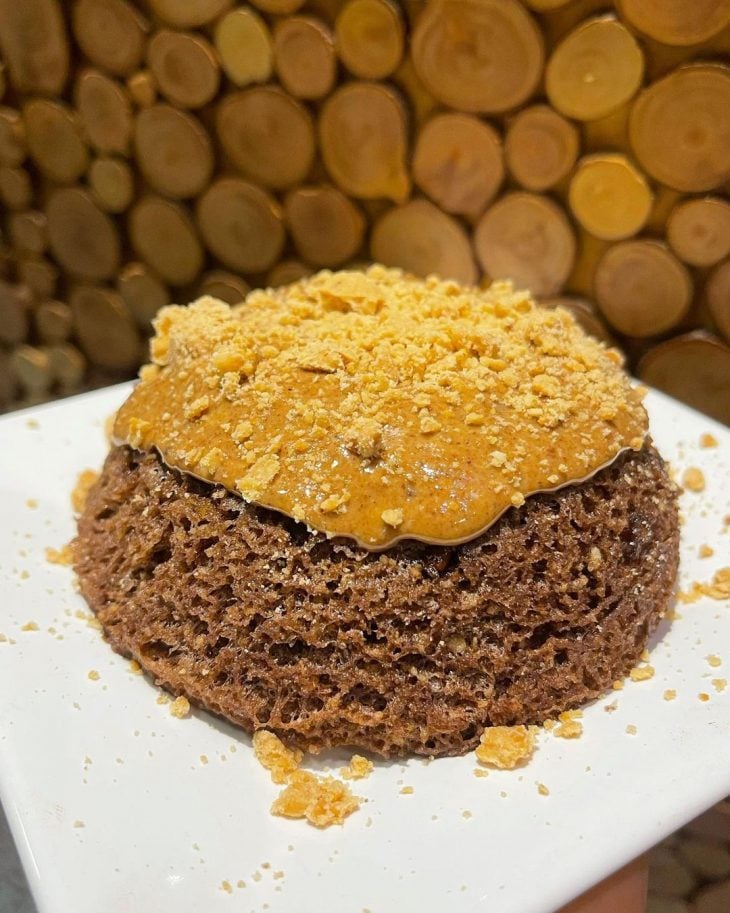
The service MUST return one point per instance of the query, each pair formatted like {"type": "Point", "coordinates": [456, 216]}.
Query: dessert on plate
{"type": "Point", "coordinates": [382, 512]}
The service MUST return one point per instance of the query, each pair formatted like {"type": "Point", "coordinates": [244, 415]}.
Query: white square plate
{"type": "Point", "coordinates": [113, 809]}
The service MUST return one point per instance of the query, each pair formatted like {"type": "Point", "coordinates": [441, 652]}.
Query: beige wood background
{"type": "Point", "coordinates": [151, 151]}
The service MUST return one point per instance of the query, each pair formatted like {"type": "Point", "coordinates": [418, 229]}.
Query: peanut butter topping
{"type": "Point", "coordinates": [380, 407]}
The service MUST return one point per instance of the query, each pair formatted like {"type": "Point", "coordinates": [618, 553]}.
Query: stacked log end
{"type": "Point", "coordinates": [152, 151]}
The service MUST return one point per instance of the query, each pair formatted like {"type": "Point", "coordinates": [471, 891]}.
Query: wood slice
{"type": "Point", "coordinates": [305, 57]}
{"type": "Point", "coordinates": [717, 293]}
{"type": "Point", "coordinates": [526, 238]}
{"type": "Point", "coordinates": [267, 135]}
{"type": "Point", "coordinates": [173, 151]}
{"type": "Point", "coordinates": [478, 55]}
{"type": "Point", "coordinates": [458, 162]}
{"type": "Point", "coordinates": [680, 128]}
{"type": "Point", "coordinates": [245, 47]}
{"type": "Point", "coordinates": [698, 231]}
{"type": "Point", "coordinates": [111, 33]}
{"type": "Point", "coordinates": [13, 147]}
{"type": "Point", "coordinates": [39, 275]}
{"type": "Point", "coordinates": [16, 190]}
{"type": "Point", "coordinates": [163, 235]}
{"type": "Point", "coordinates": [364, 140]}
{"type": "Point", "coordinates": [597, 68]}
{"type": "Point", "coordinates": [67, 366]}
{"type": "Point", "coordinates": [105, 111]}
{"type": "Point", "coordinates": [188, 14]}
{"type": "Point", "coordinates": [31, 367]}
{"type": "Point", "coordinates": [642, 289]}
{"type": "Point", "coordinates": [15, 306]}
{"type": "Point", "coordinates": [55, 141]}
{"type": "Point", "coordinates": [28, 231]}
{"type": "Point", "coordinates": [142, 89]}
{"type": "Point", "coordinates": [541, 147]}
{"type": "Point", "coordinates": [278, 7]}
{"type": "Point", "coordinates": [224, 286]}
{"type": "Point", "coordinates": [34, 45]}
{"type": "Point", "coordinates": [420, 238]}
{"type": "Point", "coordinates": [82, 238]}
{"type": "Point", "coordinates": [584, 314]}
{"type": "Point", "coordinates": [185, 67]}
{"type": "Point", "coordinates": [369, 36]}
{"type": "Point", "coordinates": [326, 226]}
{"type": "Point", "coordinates": [104, 328]}
{"type": "Point", "coordinates": [608, 133]}
{"type": "Point", "coordinates": [112, 184]}
{"type": "Point", "coordinates": [694, 368]}
{"type": "Point", "coordinates": [421, 104]}
{"type": "Point", "coordinates": [241, 225]}
{"type": "Point", "coordinates": [609, 197]}
{"type": "Point", "coordinates": [677, 22]}
{"type": "Point", "coordinates": [143, 293]}
{"type": "Point", "coordinates": [287, 272]}
{"type": "Point", "coordinates": [53, 322]}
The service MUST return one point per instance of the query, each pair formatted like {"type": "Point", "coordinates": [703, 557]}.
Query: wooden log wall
{"type": "Point", "coordinates": [154, 150]}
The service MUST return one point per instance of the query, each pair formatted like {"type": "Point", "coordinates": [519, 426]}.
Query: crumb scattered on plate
{"type": "Point", "coordinates": [272, 754]}
{"type": "Point", "coordinates": [706, 551]}
{"type": "Point", "coordinates": [713, 660]}
{"type": "Point", "coordinates": [708, 440]}
{"type": "Point", "coordinates": [93, 675]}
{"type": "Point", "coordinates": [703, 696]}
{"type": "Point", "coordinates": [30, 626]}
{"type": "Point", "coordinates": [631, 729]}
{"type": "Point", "coordinates": [718, 588]}
{"type": "Point", "coordinates": [642, 673]}
{"type": "Point", "coordinates": [506, 746]}
{"type": "Point", "coordinates": [693, 479]}
{"type": "Point", "coordinates": [542, 789]}
{"type": "Point", "coordinates": [719, 684]}
{"type": "Point", "coordinates": [180, 707]}
{"type": "Point", "coordinates": [323, 801]}
{"type": "Point", "coordinates": [407, 790]}
{"type": "Point", "coordinates": [670, 694]}
{"type": "Point", "coordinates": [358, 768]}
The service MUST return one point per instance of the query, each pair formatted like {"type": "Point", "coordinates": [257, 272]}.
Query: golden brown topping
{"type": "Point", "coordinates": [708, 440]}
{"type": "Point", "coordinates": [506, 746]}
{"type": "Point", "coordinates": [719, 588]}
{"type": "Point", "coordinates": [364, 403]}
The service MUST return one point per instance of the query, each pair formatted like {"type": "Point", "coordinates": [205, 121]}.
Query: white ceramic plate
{"type": "Point", "coordinates": [162, 830]}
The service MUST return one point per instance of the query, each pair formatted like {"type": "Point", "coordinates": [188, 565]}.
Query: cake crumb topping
{"type": "Point", "coordinates": [273, 754]}
{"type": "Point", "coordinates": [63, 555]}
{"type": "Point", "coordinates": [506, 747]}
{"type": "Point", "coordinates": [362, 403]}
{"type": "Point", "coordinates": [642, 673]}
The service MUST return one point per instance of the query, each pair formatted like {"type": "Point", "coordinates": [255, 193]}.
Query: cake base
{"type": "Point", "coordinates": [409, 651]}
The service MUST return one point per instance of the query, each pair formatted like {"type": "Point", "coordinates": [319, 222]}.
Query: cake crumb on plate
{"type": "Point", "coordinates": [506, 747]}
{"type": "Point", "coordinates": [693, 479]}
{"type": "Point", "coordinates": [358, 768]}
{"type": "Point", "coordinates": [180, 707]}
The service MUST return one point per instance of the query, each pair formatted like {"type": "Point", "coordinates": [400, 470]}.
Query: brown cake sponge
{"type": "Point", "coordinates": [412, 650]}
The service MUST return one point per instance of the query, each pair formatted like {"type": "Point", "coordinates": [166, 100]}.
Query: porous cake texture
{"type": "Point", "coordinates": [414, 649]}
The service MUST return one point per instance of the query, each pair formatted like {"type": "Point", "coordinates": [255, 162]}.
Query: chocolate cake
{"type": "Point", "coordinates": [237, 544]}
